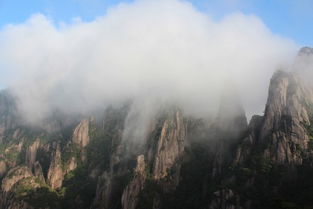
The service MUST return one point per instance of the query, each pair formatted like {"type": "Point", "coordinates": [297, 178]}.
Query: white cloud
{"type": "Point", "coordinates": [163, 50]}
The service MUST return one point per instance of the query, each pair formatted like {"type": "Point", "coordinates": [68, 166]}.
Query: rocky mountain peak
{"type": "Point", "coordinates": [170, 144]}
{"type": "Point", "coordinates": [286, 117]}
{"type": "Point", "coordinates": [305, 51]}
{"type": "Point", "coordinates": [81, 133]}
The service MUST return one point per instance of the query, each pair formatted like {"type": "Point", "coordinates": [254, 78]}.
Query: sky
{"type": "Point", "coordinates": [289, 18]}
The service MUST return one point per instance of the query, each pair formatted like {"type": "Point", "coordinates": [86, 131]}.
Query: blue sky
{"type": "Point", "coordinates": [288, 18]}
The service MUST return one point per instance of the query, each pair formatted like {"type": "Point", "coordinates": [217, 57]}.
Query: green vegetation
{"type": "Point", "coordinates": [100, 148]}
{"type": "Point", "coordinates": [194, 178]}
{"type": "Point", "coordinates": [105, 138]}
{"type": "Point", "coordinates": [42, 197]}
{"type": "Point", "coordinates": [71, 151]}
{"type": "Point", "coordinates": [148, 194]}
{"type": "Point", "coordinates": [37, 194]}
{"type": "Point", "coordinates": [26, 185]}
{"type": "Point", "coordinates": [77, 183]}
{"type": "Point", "coordinates": [12, 154]}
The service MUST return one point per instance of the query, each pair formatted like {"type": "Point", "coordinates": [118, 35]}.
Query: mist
{"type": "Point", "coordinates": [158, 52]}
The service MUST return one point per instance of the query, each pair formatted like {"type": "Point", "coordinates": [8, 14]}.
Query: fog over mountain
{"type": "Point", "coordinates": [155, 105]}
{"type": "Point", "coordinates": [152, 52]}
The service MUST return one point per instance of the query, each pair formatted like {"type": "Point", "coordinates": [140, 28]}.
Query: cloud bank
{"type": "Point", "coordinates": [162, 51]}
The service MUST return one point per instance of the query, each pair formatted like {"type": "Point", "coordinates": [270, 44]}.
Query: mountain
{"type": "Point", "coordinates": [183, 162]}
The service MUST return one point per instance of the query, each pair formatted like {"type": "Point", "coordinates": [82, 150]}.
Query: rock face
{"type": "Point", "coordinates": [132, 191]}
{"type": "Point", "coordinates": [249, 141]}
{"type": "Point", "coordinates": [55, 173]}
{"type": "Point", "coordinates": [286, 118]}
{"type": "Point", "coordinates": [38, 171]}
{"type": "Point", "coordinates": [170, 145]}
{"type": "Point", "coordinates": [31, 153]}
{"type": "Point", "coordinates": [3, 168]}
{"type": "Point", "coordinates": [81, 139]}
{"type": "Point", "coordinates": [81, 134]}
{"type": "Point", "coordinates": [14, 176]}
{"type": "Point", "coordinates": [71, 165]}
{"type": "Point", "coordinates": [282, 131]}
